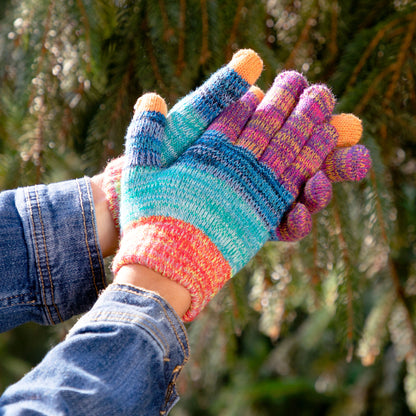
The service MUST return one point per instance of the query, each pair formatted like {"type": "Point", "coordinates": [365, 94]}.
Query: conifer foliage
{"type": "Point", "coordinates": [324, 326]}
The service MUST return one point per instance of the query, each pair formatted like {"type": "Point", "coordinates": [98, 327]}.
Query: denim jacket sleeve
{"type": "Point", "coordinates": [121, 358]}
{"type": "Point", "coordinates": [51, 266]}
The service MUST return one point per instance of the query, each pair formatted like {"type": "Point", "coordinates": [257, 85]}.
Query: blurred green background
{"type": "Point", "coordinates": [326, 326]}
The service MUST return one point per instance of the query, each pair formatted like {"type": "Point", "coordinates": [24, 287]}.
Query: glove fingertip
{"type": "Point", "coordinates": [247, 64]}
{"type": "Point", "coordinates": [258, 92]}
{"type": "Point", "coordinates": [151, 102]}
{"type": "Point", "coordinates": [349, 129]}
{"type": "Point", "coordinates": [317, 192]}
{"type": "Point", "coordinates": [296, 225]}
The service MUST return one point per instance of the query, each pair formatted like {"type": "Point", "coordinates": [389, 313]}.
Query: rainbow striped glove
{"type": "Point", "coordinates": [348, 162]}
{"type": "Point", "coordinates": [199, 219]}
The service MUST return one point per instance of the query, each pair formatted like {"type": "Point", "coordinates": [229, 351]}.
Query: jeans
{"type": "Point", "coordinates": [124, 355]}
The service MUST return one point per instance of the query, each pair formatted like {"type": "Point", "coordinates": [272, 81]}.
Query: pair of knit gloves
{"type": "Point", "coordinates": [200, 189]}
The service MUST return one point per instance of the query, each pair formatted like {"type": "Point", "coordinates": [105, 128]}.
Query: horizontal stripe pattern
{"type": "Point", "coordinates": [180, 251]}
{"type": "Point", "coordinates": [192, 115]}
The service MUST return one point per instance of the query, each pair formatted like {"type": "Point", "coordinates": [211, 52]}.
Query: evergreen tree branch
{"type": "Point", "coordinates": [36, 151]}
{"type": "Point", "coordinates": [167, 29]}
{"type": "Point", "coordinates": [153, 60]}
{"type": "Point", "coordinates": [369, 50]}
{"type": "Point", "coordinates": [393, 272]}
{"type": "Point", "coordinates": [43, 50]}
{"type": "Point", "coordinates": [180, 63]}
{"type": "Point", "coordinates": [372, 89]}
{"type": "Point", "coordinates": [316, 269]}
{"type": "Point", "coordinates": [304, 35]}
{"type": "Point", "coordinates": [333, 44]}
{"type": "Point", "coordinates": [400, 60]}
{"type": "Point", "coordinates": [350, 292]}
{"type": "Point", "coordinates": [234, 29]}
{"type": "Point", "coordinates": [86, 25]}
{"type": "Point", "coordinates": [205, 53]}
{"type": "Point", "coordinates": [411, 82]}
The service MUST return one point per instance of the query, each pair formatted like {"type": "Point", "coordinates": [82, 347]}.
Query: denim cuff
{"type": "Point", "coordinates": [146, 314]}
{"type": "Point", "coordinates": [65, 262]}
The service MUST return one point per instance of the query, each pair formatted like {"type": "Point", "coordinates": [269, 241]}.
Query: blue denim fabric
{"type": "Point", "coordinates": [51, 266]}
{"type": "Point", "coordinates": [121, 358]}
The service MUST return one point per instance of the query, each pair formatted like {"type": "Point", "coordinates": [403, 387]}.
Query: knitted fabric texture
{"type": "Point", "coordinates": [343, 164]}
{"type": "Point", "coordinates": [200, 219]}
{"type": "Point", "coordinates": [187, 120]}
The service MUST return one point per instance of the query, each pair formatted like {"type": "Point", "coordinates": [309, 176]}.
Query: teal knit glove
{"type": "Point", "coordinates": [201, 218]}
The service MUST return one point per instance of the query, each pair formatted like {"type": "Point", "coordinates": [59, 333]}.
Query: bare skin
{"type": "Point", "coordinates": [134, 274]}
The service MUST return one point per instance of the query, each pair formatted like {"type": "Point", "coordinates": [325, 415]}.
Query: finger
{"type": "Point", "coordinates": [315, 107]}
{"type": "Point", "coordinates": [309, 159]}
{"type": "Point", "coordinates": [191, 115]}
{"type": "Point", "coordinates": [347, 164]}
{"type": "Point", "coordinates": [296, 224]}
{"type": "Point", "coordinates": [272, 112]}
{"type": "Point", "coordinates": [349, 129]}
{"type": "Point", "coordinates": [317, 192]}
{"type": "Point", "coordinates": [232, 120]}
{"type": "Point", "coordinates": [145, 134]}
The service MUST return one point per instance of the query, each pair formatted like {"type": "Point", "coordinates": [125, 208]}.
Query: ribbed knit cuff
{"type": "Point", "coordinates": [178, 251]}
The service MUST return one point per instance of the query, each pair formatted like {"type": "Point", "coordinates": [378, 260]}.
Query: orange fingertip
{"type": "Point", "coordinates": [259, 93]}
{"type": "Point", "coordinates": [349, 128]}
{"type": "Point", "coordinates": [247, 64]}
{"type": "Point", "coordinates": [151, 102]}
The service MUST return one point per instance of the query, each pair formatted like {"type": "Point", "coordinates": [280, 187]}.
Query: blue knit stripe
{"type": "Point", "coordinates": [254, 182]}
{"type": "Point", "coordinates": [223, 88]}
{"type": "Point", "coordinates": [208, 203]}
{"type": "Point", "coordinates": [144, 139]}
{"type": "Point", "coordinates": [192, 114]}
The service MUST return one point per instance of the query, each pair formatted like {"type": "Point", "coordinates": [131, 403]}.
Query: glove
{"type": "Point", "coordinates": [199, 219]}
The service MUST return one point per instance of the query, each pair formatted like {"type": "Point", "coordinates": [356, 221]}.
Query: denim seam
{"type": "Point", "coordinates": [150, 296]}
{"type": "Point", "coordinates": [171, 387]}
{"type": "Point", "coordinates": [86, 238]}
{"type": "Point", "coordinates": [94, 228]}
{"type": "Point", "coordinates": [30, 302]}
{"type": "Point", "coordinates": [41, 277]}
{"type": "Point", "coordinates": [14, 297]}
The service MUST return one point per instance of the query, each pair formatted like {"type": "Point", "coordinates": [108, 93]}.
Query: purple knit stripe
{"type": "Point", "coordinates": [310, 158]}
{"type": "Point", "coordinates": [347, 164]}
{"type": "Point", "coordinates": [232, 120]}
{"type": "Point", "coordinates": [315, 107]}
{"type": "Point", "coordinates": [272, 112]}
{"type": "Point", "coordinates": [317, 192]}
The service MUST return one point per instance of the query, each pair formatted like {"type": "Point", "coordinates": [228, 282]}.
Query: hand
{"type": "Point", "coordinates": [201, 218]}
{"type": "Point", "coordinates": [348, 162]}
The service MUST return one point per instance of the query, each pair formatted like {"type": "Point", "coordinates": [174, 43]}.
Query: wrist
{"type": "Point", "coordinates": [144, 278]}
